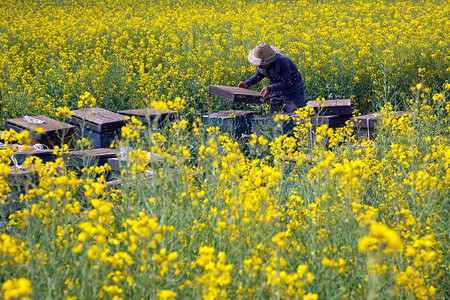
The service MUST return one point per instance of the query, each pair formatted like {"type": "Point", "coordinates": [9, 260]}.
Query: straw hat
{"type": "Point", "coordinates": [263, 54]}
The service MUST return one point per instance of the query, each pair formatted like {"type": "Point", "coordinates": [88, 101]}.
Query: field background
{"type": "Point", "coordinates": [199, 215]}
{"type": "Point", "coordinates": [130, 53]}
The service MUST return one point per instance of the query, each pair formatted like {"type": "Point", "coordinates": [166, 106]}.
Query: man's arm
{"type": "Point", "coordinates": [257, 77]}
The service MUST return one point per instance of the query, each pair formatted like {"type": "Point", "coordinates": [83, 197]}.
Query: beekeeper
{"type": "Point", "coordinates": [286, 83]}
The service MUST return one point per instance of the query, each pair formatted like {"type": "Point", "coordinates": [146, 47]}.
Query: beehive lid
{"type": "Point", "coordinates": [98, 119]}
{"type": "Point", "coordinates": [235, 94]}
{"type": "Point", "coordinates": [369, 120]}
{"type": "Point", "coordinates": [330, 103]}
{"type": "Point", "coordinates": [144, 114]}
{"type": "Point", "coordinates": [332, 107]}
{"type": "Point", "coordinates": [22, 170]}
{"type": "Point", "coordinates": [92, 156]}
{"type": "Point", "coordinates": [231, 114]}
{"type": "Point", "coordinates": [98, 152]}
{"type": "Point", "coordinates": [271, 117]}
{"type": "Point", "coordinates": [331, 120]}
{"type": "Point", "coordinates": [52, 127]}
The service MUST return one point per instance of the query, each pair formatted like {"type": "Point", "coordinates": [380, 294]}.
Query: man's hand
{"type": "Point", "coordinates": [243, 84]}
{"type": "Point", "coordinates": [265, 93]}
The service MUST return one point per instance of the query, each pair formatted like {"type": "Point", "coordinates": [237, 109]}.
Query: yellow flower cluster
{"type": "Point", "coordinates": [15, 288]}
{"type": "Point", "coordinates": [128, 56]}
{"type": "Point", "coordinates": [216, 274]}
{"type": "Point", "coordinates": [284, 225]}
{"type": "Point", "coordinates": [380, 233]}
{"type": "Point", "coordinates": [10, 251]}
{"type": "Point", "coordinates": [86, 100]}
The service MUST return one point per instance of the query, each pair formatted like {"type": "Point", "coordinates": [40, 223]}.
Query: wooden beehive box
{"type": "Point", "coordinates": [56, 132]}
{"type": "Point", "coordinates": [117, 163]}
{"type": "Point", "coordinates": [365, 124]}
{"type": "Point", "coordinates": [149, 115]}
{"type": "Point", "coordinates": [91, 157]}
{"type": "Point", "coordinates": [20, 180]}
{"type": "Point", "coordinates": [236, 122]}
{"type": "Point", "coordinates": [330, 120]}
{"type": "Point", "coordinates": [235, 94]}
{"type": "Point", "coordinates": [98, 125]}
{"type": "Point", "coordinates": [341, 107]}
{"type": "Point", "coordinates": [45, 155]}
{"type": "Point", "coordinates": [366, 121]}
{"type": "Point", "coordinates": [267, 127]}
{"type": "Point", "coordinates": [369, 121]}
{"type": "Point", "coordinates": [318, 120]}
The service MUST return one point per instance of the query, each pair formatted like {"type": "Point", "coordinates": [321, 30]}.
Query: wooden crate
{"type": "Point", "coordinates": [366, 121]}
{"type": "Point", "coordinates": [117, 163]}
{"type": "Point", "coordinates": [267, 127]}
{"type": "Point", "coordinates": [330, 120]}
{"type": "Point", "coordinates": [369, 121]}
{"type": "Point", "coordinates": [92, 157]}
{"type": "Point", "coordinates": [98, 125]}
{"type": "Point", "coordinates": [236, 122]}
{"type": "Point", "coordinates": [235, 94]}
{"type": "Point", "coordinates": [365, 125]}
{"type": "Point", "coordinates": [21, 171]}
{"type": "Point", "coordinates": [340, 107]}
{"type": "Point", "coordinates": [44, 155]}
{"type": "Point", "coordinates": [56, 132]}
{"type": "Point", "coordinates": [19, 180]}
{"type": "Point", "coordinates": [114, 184]}
{"type": "Point", "coordinates": [150, 115]}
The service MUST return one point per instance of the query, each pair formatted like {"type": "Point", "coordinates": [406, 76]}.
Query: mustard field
{"type": "Point", "coordinates": [322, 213]}
{"type": "Point", "coordinates": [131, 53]}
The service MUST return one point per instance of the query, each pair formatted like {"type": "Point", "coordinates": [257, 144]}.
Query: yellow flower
{"type": "Point", "coordinates": [77, 249]}
{"type": "Point", "coordinates": [39, 130]}
{"type": "Point", "coordinates": [166, 295]}
{"type": "Point", "coordinates": [310, 277]}
{"type": "Point", "coordinates": [65, 111]}
{"type": "Point", "coordinates": [301, 270]}
{"type": "Point", "coordinates": [159, 105]}
{"type": "Point", "coordinates": [327, 262]}
{"type": "Point", "coordinates": [310, 296]}
{"type": "Point", "coordinates": [388, 236]}
{"type": "Point", "coordinates": [438, 98]}
{"type": "Point", "coordinates": [201, 194]}
{"type": "Point", "coordinates": [262, 141]}
{"type": "Point", "coordinates": [112, 290]}
{"type": "Point", "coordinates": [365, 242]}
{"type": "Point", "coordinates": [172, 256]}
{"type": "Point", "coordinates": [15, 288]}
{"type": "Point", "coordinates": [94, 252]}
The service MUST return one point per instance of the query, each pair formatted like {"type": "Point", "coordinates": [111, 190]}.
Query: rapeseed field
{"type": "Point", "coordinates": [130, 53]}
{"type": "Point", "coordinates": [195, 213]}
